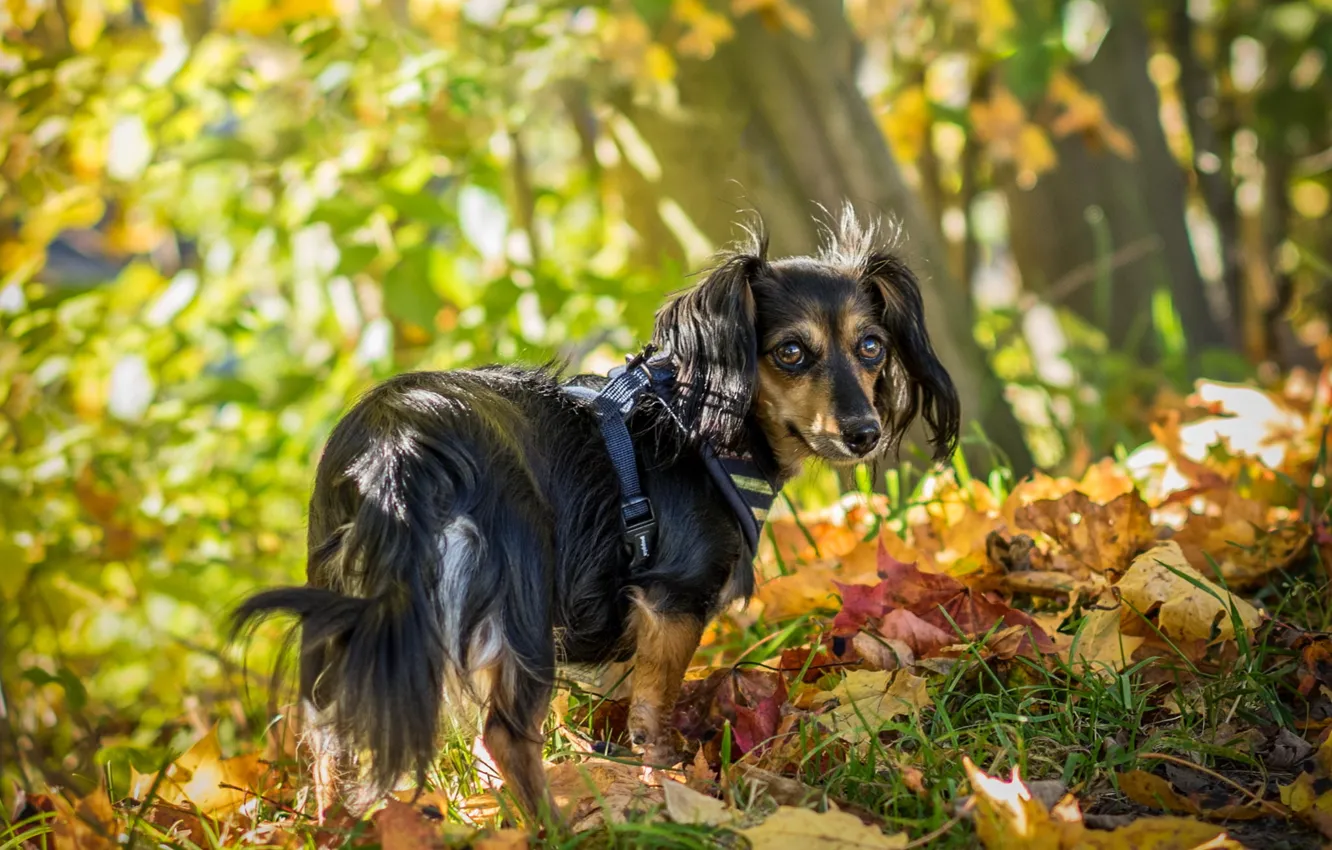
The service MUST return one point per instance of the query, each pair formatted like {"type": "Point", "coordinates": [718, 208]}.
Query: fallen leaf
{"type": "Point", "coordinates": [809, 588]}
{"type": "Point", "coordinates": [1100, 644]}
{"type": "Point", "coordinates": [1191, 607]}
{"type": "Point", "coordinates": [1148, 789]}
{"type": "Point", "coordinates": [883, 653]}
{"type": "Point", "coordinates": [1304, 799]}
{"type": "Point", "coordinates": [1240, 543]}
{"type": "Point", "coordinates": [1105, 481]}
{"type": "Point", "coordinates": [577, 785]}
{"type": "Point", "coordinates": [750, 699]}
{"type": "Point", "coordinates": [502, 839]}
{"type": "Point", "coordinates": [1100, 538]}
{"type": "Point", "coordinates": [1009, 817]}
{"type": "Point", "coordinates": [783, 791]}
{"type": "Point", "coordinates": [86, 824]}
{"type": "Point", "coordinates": [400, 826]}
{"type": "Point", "coordinates": [1160, 833]}
{"type": "Point", "coordinates": [685, 805]}
{"type": "Point", "coordinates": [919, 636]}
{"type": "Point", "coordinates": [202, 778]}
{"type": "Point", "coordinates": [698, 773]}
{"type": "Point", "coordinates": [868, 699]}
{"type": "Point", "coordinates": [794, 827]}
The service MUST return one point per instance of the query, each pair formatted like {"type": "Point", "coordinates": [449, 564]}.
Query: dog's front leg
{"type": "Point", "coordinates": [664, 644]}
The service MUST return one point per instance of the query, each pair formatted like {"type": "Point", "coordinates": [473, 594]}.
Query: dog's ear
{"type": "Point", "coordinates": [709, 331]}
{"type": "Point", "coordinates": [914, 382]}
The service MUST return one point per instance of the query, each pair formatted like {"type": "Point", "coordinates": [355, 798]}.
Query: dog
{"type": "Point", "coordinates": [468, 529]}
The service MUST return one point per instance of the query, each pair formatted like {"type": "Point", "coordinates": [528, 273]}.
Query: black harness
{"type": "Point", "coordinates": [748, 486]}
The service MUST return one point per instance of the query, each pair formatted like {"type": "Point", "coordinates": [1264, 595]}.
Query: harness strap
{"type": "Point", "coordinates": [743, 481]}
{"type": "Point", "coordinates": [613, 404]}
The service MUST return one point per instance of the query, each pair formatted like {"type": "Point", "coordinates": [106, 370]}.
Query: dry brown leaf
{"type": "Point", "coordinates": [699, 775]}
{"type": "Point", "coordinates": [794, 827]}
{"type": "Point", "coordinates": [1240, 541]}
{"type": "Point", "coordinates": [502, 839]}
{"type": "Point", "coordinates": [685, 805]}
{"type": "Point", "coordinates": [1162, 576]}
{"type": "Point", "coordinates": [883, 653]}
{"type": "Point", "coordinates": [1099, 538]}
{"type": "Point", "coordinates": [88, 824]}
{"type": "Point", "coordinates": [400, 826]}
{"type": "Point", "coordinates": [577, 785]}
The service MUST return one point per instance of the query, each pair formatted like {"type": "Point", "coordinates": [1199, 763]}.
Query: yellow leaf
{"type": "Point", "coordinates": [1186, 610]}
{"type": "Point", "coordinates": [1085, 113]}
{"type": "Point", "coordinates": [1009, 818]}
{"type": "Point", "coordinates": [998, 122]}
{"type": "Point", "coordinates": [706, 28]}
{"type": "Point", "coordinates": [1034, 155]}
{"type": "Point", "coordinates": [996, 19]}
{"type": "Point", "coordinates": [867, 699]}
{"type": "Point", "coordinates": [1156, 792]}
{"type": "Point", "coordinates": [1160, 833]}
{"type": "Point", "coordinates": [1105, 481]}
{"type": "Point", "coordinates": [1101, 645]}
{"type": "Point", "coordinates": [201, 777]}
{"type": "Point", "coordinates": [685, 805]}
{"type": "Point", "coordinates": [906, 122]}
{"type": "Point", "coordinates": [659, 63]}
{"type": "Point", "coordinates": [807, 589]}
{"type": "Point", "coordinates": [776, 15]}
{"type": "Point", "coordinates": [795, 827]}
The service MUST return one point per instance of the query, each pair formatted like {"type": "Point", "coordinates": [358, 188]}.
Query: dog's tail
{"type": "Point", "coordinates": [411, 616]}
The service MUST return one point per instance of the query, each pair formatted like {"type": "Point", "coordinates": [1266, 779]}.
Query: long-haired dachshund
{"type": "Point", "coordinates": [467, 529]}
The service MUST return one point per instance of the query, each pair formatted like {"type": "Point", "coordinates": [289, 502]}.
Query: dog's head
{"type": "Point", "coordinates": [828, 354]}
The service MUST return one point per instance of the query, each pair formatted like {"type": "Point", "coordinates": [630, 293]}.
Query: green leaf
{"type": "Point", "coordinates": [408, 294]}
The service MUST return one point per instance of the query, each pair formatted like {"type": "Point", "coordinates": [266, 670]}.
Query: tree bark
{"type": "Point", "coordinates": [774, 123]}
{"type": "Point", "coordinates": [1139, 239]}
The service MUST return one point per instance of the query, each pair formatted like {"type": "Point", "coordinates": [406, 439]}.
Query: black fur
{"type": "Point", "coordinates": [448, 504]}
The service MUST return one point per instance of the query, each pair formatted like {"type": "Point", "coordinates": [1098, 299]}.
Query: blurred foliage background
{"type": "Point", "coordinates": [221, 220]}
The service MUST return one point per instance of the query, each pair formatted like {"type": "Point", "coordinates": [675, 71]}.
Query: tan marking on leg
{"type": "Point", "coordinates": [664, 645]}
{"type": "Point", "coordinates": [518, 758]}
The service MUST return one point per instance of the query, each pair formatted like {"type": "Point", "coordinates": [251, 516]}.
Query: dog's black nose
{"type": "Point", "coordinates": [861, 437]}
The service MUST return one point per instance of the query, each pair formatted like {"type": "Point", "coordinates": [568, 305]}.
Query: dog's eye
{"type": "Point", "coordinates": [790, 354]}
{"type": "Point", "coordinates": [870, 349]}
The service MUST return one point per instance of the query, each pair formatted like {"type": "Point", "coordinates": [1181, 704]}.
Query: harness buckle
{"type": "Point", "coordinates": [640, 529]}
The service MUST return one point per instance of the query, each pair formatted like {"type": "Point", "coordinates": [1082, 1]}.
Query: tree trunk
{"type": "Point", "coordinates": [1138, 239]}
{"type": "Point", "coordinates": [774, 123]}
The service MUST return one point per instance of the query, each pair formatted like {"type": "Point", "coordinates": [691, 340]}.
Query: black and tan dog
{"type": "Point", "coordinates": [465, 530]}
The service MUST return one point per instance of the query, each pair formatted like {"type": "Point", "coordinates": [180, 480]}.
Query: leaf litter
{"type": "Point", "coordinates": [1151, 580]}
